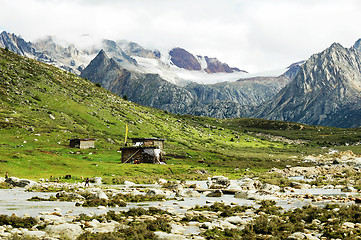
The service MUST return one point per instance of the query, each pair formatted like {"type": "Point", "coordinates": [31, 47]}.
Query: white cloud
{"type": "Point", "coordinates": [254, 35]}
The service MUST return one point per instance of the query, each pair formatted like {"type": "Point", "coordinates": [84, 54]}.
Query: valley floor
{"type": "Point", "coordinates": [316, 202]}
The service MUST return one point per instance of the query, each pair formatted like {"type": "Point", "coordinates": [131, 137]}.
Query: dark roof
{"type": "Point", "coordinates": [139, 147]}
{"type": "Point", "coordinates": [157, 139]}
{"type": "Point", "coordinates": [83, 139]}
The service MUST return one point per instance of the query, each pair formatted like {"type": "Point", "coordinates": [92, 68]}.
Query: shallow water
{"type": "Point", "coordinates": [15, 201]}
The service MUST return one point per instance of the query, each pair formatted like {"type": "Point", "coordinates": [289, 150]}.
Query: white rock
{"type": "Point", "coordinates": [66, 230]}
{"type": "Point", "coordinates": [99, 194]}
{"type": "Point", "coordinates": [297, 236]}
{"type": "Point", "coordinates": [348, 189]}
{"type": "Point", "coordinates": [5, 235]}
{"type": "Point", "coordinates": [234, 186]}
{"type": "Point", "coordinates": [236, 220]}
{"type": "Point", "coordinates": [52, 219]}
{"type": "Point", "coordinates": [105, 227]}
{"type": "Point", "coordinates": [226, 224]}
{"type": "Point", "coordinates": [129, 183]}
{"type": "Point", "coordinates": [241, 194]}
{"type": "Point", "coordinates": [270, 188]}
{"type": "Point", "coordinates": [188, 193]}
{"type": "Point", "coordinates": [35, 234]}
{"type": "Point", "coordinates": [348, 225]}
{"type": "Point", "coordinates": [177, 229]}
{"type": "Point", "coordinates": [207, 225]}
{"type": "Point", "coordinates": [169, 236]}
{"type": "Point", "coordinates": [310, 237]}
{"type": "Point", "coordinates": [97, 180]}
{"type": "Point", "coordinates": [162, 181]}
{"type": "Point", "coordinates": [218, 182]}
{"type": "Point", "coordinates": [153, 192]}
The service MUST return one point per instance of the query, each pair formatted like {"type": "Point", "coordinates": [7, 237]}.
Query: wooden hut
{"type": "Point", "coordinates": [82, 143]}
{"type": "Point", "coordinates": [144, 150]}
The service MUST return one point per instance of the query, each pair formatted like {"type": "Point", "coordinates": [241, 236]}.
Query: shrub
{"type": "Point", "coordinates": [17, 222]}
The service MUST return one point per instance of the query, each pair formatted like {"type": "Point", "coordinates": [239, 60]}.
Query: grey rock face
{"type": "Point", "coordinates": [230, 99]}
{"type": "Point", "coordinates": [134, 49]}
{"type": "Point", "coordinates": [184, 59]}
{"type": "Point", "coordinates": [325, 91]}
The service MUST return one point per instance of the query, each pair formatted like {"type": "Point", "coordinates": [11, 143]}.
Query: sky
{"type": "Point", "coordinates": [253, 35]}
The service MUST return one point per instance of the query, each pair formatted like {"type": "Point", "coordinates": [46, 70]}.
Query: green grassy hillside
{"type": "Point", "coordinates": [42, 107]}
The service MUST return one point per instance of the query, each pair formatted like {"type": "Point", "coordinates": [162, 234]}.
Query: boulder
{"type": "Point", "coordinates": [348, 225]}
{"type": "Point", "coordinates": [98, 194]}
{"type": "Point", "coordinates": [128, 183]}
{"type": "Point", "coordinates": [162, 181]}
{"type": "Point", "coordinates": [175, 187]}
{"type": "Point", "coordinates": [226, 225]}
{"type": "Point", "coordinates": [169, 236]}
{"type": "Point", "coordinates": [71, 195]}
{"type": "Point", "coordinates": [297, 185]}
{"type": "Point", "coordinates": [16, 182]}
{"type": "Point", "coordinates": [97, 180]}
{"type": "Point", "coordinates": [35, 234]}
{"type": "Point", "coordinates": [216, 193]}
{"type": "Point", "coordinates": [188, 193]}
{"type": "Point", "coordinates": [241, 194]}
{"type": "Point", "coordinates": [237, 220]}
{"type": "Point", "coordinates": [297, 236]}
{"type": "Point", "coordinates": [253, 195]}
{"type": "Point", "coordinates": [177, 229]}
{"type": "Point", "coordinates": [64, 231]}
{"type": "Point", "coordinates": [348, 189]}
{"type": "Point", "coordinates": [218, 182]}
{"type": "Point", "coordinates": [153, 192]}
{"type": "Point", "coordinates": [107, 226]}
{"type": "Point", "coordinates": [270, 188]}
{"type": "Point", "coordinates": [247, 184]}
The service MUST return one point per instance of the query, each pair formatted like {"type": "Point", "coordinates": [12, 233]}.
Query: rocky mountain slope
{"type": "Point", "coordinates": [325, 91]}
{"type": "Point", "coordinates": [129, 55]}
{"type": "Point", "coordinates": [184, 59]}
{"type": "Point", "coordinates": [232, 98]}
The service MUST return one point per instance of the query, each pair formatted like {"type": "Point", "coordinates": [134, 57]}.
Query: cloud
{"type": "Point", "coordinates": [252, 35]}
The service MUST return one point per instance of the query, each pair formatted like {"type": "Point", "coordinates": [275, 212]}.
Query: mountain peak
{"type": "Point", "coordinates": [357, 45]}
{"type": "Point", "coordinates": [184, 59]}
{"type": "Point", "coordinates": [102, 53]}
{"type": "Point", "coordinates": [325, 91]}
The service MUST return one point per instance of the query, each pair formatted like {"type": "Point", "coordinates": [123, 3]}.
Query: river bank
{"type": "Point", "coordinates": [323, 197]}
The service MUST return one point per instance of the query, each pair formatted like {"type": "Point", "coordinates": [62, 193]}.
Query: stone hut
{"type": "Point", "coordinates": [84, 143]}
{"type": "Point", "coordinates": [144, 150]}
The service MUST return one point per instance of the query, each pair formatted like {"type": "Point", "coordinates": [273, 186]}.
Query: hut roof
{"type": "Point", "coordinates": [138, 147]}
{"type": "Point", "coordinates": [157, 139]}
{"type": "Point", "coordinates": [83, 139]}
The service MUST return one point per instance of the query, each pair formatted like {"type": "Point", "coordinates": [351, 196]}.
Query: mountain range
{"type": "Point", "coordinates": [324, 90]}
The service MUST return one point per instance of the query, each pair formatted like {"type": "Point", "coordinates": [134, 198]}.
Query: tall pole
{"type": "Point", "coordinates": [126, 133]}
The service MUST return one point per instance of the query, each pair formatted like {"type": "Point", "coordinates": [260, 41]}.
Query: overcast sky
{"type": "Point", "coordinates": [254, 35]}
